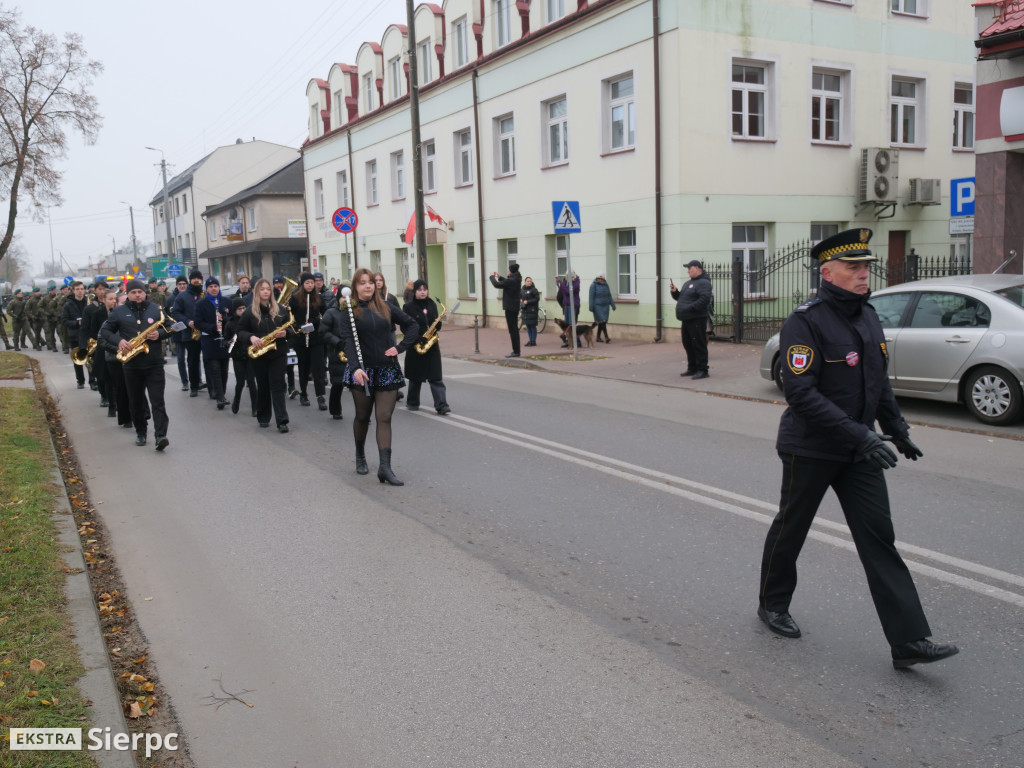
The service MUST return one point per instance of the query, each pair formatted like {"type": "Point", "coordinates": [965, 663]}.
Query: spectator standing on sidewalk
{"type": "Point", "coordinates": [600, 302]}
{"type": "Point", "coordinates": [510, 288]}
{"type": "Point", "coordinates": [529, 298]}
{"type": "Point", "coordinates": [693, 306]}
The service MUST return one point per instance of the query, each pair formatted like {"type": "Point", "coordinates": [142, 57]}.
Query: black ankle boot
{"type": "Point", "coordinates": [361, 468]}
{"type": "Point", "coordinates": [384, 473]}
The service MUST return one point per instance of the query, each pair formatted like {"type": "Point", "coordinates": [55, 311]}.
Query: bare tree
{"type": "Point", "coordinates": [44, 88]}
{"type": "Point", "coordinates": [13, 266]}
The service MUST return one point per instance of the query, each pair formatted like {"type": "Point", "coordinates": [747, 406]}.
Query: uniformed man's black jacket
{"type": "Point", "coordinates": [693, 300]}
{"type": "Point", "coordinates": [834, 368]}
{"type": "Point", "coordinates": [128, 321]}
{"type": "Point", "coordinates": [71, 316]}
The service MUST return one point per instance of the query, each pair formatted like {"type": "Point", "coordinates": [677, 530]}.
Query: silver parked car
{"type": "Point", "coordinates": [956, 339]}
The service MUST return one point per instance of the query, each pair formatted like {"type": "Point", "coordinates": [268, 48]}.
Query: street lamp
{"type": "Point", "coordinates": [135, 244]}
{"type": "Point", "coordinates": [168, 221]}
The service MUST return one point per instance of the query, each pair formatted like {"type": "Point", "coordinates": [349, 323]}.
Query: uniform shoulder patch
{"type": "Point", "coordinates": [808, 304]}
{"type": "Point", "coordinates": [799, 358]}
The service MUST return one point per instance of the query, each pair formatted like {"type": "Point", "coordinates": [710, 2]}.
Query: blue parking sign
{"type": "Point", "coordinates": [961, 197]}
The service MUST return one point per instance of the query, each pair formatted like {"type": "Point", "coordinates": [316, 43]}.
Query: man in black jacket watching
{"type": "Point", "coordinates": [71, 318]}
{"type": "Point", "coordinates": [510, 302]}
{"type": "Point", "coordinates": [693, 306]}
{"type": "Point", "coordinates": [144, 373]}
{"type": "Point", "coordinates": [184, 310]}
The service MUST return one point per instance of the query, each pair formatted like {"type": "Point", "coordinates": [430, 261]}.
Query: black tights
{"type": "Point", "coordinates": [384, 401]}
{"type": "Point", "coordinates": [602, 328]}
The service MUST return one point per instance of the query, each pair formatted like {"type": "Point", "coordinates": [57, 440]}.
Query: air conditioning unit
{"type": "Point", "coordinates": [925, 191]}
{"type": "Point", "coordinates": [879, 174]}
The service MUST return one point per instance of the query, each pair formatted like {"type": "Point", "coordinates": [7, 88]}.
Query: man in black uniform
{"type": "Point", "coordinates": [693, 307]}
{"type": "Point", "coordinates": [836, 384]}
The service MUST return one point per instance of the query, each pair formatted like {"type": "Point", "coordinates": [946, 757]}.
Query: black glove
{"type": "Point", "coordinates": [871, 448]}
{"type": "Point", "coordinates": [906, 446]}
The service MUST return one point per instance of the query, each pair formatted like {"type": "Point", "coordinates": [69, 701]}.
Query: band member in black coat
{"type": "Point", "coordinates": [425, 367]}
{"type": "Point", "coordinates": [373, 372]}
{"type": "Point", "coordinates": [330, 330]}
{"type": "Point", "coordinates": [212, 314]}
{"type": "Point", "coordinates": [307, 308]}
{"type": "Point", "coordinates": [144, 373]}
{"type": "Point", "coordinates": [510, 287]}
{"type": "Point", "coordinates": [241, 363]}
{"type": "Point", "coordinates": [71, 318]}
{"type": "Point", "coordinates": [117, 395]}
{"type": "Point", "coordinates": [263, 318]}
{"type": "Point", "coordinates": [184, 310]}
{"type": "Point", "coordinates": [93, 317]}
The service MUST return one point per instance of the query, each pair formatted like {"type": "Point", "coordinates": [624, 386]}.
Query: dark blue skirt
{"type": "Point", "coordinates": [383, 379]}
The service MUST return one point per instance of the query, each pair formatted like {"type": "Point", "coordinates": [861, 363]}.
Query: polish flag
{"type": "Point", "coordinates": [410, 231]}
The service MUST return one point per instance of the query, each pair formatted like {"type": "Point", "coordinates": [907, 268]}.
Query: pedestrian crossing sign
{"type": "Point", "coordinates": [567, 216]}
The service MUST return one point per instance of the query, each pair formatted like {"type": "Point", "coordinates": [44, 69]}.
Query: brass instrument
{"type": "Point", "coordinates": [342, 357]}
{"type": "Point", "coordinates": [196, 333]}
{"type": "Point", "coordinates": [138, 344]}
{"type": "Point", "coordinates": [430, 335]}
{"type": "Point", "coordinates": [269, 342]}
{"type": "Point", "coordinates": [84, 356]}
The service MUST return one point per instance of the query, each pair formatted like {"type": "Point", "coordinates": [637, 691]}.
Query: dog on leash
{"type": "Point", "coordinates": [584, 332]}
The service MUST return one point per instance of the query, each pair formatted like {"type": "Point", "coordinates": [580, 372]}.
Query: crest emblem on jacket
{"type": "Point", "coordinates": [799, 358]}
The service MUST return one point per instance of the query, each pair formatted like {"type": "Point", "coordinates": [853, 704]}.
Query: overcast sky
{"type": "Point", "coordinates": [185, 77]}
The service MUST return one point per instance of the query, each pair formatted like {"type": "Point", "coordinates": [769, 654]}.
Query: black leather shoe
{"type": "Point", "coordinates": [922, 651]}
{"type": "Point", "coordinates": [687, 373]}
{"type": "Point", "coordinates": [264, 425]}
{"type": "Point", "coordinates": [411, 407]}
{"type": "Point", "coordinates": [194, 393]}
{"type": "Point", "coordinates": [443, 410]}
{"type": "Point", "coordinates": [140, 439]}
{"type": "Point", "coordinates": [161, 443]}
{"type": "Point", "coordinates": [303, 400]}
{"type": "Point", "coordinates": [700, 375]}
{"type": "Point", "coordinates": [337, 417]}
{"type": "Point", "coordinates": [184, 387]}
{"type": "Point", "coordinates": [221, 403]}
{"type": "Point", "coordinates": [514, 354]}
{"type": "Point", "coordinates": [282, 428]}
{"type": "Point", "coordinates": [321, 403]}
{"type": "Point", "coordinates": [779, 622]}
{"type": "Point", "coordinates": [104, 403]}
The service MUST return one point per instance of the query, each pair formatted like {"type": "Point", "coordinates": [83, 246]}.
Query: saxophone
{"type": "Point", "coordinates": [138, 344]}
{"type": "Point", "coordinates": [196, 333]}
{"type": "Point", "coordinates": [269, 342]}
{"type": "Point", "coordinates": [430, 335]}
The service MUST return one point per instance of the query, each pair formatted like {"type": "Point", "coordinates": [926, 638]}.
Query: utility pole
{"type": "Point", "coordinates": [168, 221]}
{"type": "Point", "coordinates": [113, 251]}
{"type": "Point", "coordinates": [131, 213]}
{"type": "Point", "coordinates": [417, 168]}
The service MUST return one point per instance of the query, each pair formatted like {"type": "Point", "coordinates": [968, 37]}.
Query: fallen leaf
{"type": "Point", "coordinates": [30, 694]}
{"type": "Point", "coordinates": [139, 660]}
{"type": "Point", "coordinates": [36, 666]}
{"type": "Point", "coordinates": [134, 710]}
{"type": "Point", "coordinates": [44, 702]}
{"type": "Point", "coordinates": [147, 687]}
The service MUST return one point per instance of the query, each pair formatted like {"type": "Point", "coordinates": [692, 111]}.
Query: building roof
{"type": "Point", "coordinates": [1010, 19]}
{"type": "Point", "coordinates": [285, 182]}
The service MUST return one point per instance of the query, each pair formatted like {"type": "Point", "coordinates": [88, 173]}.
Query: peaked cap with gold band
{"type": "Point", "coordinates": [851, 245]}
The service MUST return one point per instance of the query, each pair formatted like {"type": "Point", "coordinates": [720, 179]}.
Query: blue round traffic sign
{"type": "Point", "coordinates": [345, 220]}
{"type": "Point", "coordinates": [174, 270]}
{"type": "Point", "coordinates": [68, 280]}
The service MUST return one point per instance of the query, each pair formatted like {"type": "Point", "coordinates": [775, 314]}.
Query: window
{"type": "Point", "coordinates": [467, 269]}
{"type": "Point", "coordinates": [429, 167]}
{"type": "Point", "coordinates": [511, 253]}
{"type": "Point", "coordinates": [963, 116]}
{"type": "Point", "coordinates": [339, 108]}
{"type": "Point", "coordinates": [371, 183]}
{"type": "Point", "coordinates": [621, 130]}
{"type": "Point", "coordinates": [827, 106]}
{"type": "Point", "coordinates": [556, 115]}
{"type": "Point", "coordinates": [750, 100]}
{"type": "Point", "coordinates": [318, 198]}
{"type": "Point", "coordinates": [904, 110]}
{"type": "Point", "coordinates": [398, 176]}
{"type": "Point", "coordinates": [626, 262]}
{"type": "Point", "coordinates": [911, 7]}
{"type": "Point", "coordinates": [375, 261]}
{"type": "Point", "coordinates": [820, 231]}
{"type": "Point", "coordinates": [213, 229]}
{"type": "Point", "coordinates": [461, 43]}
{"type": "Point", "coordinates": [250, 217]}
{"type": "Point", "coordinates": [177, 207]}
{"type": "Point", "coordinates": [463, 158]}
{"type": "Point", "coordinates": [425, 56]}
{"type": "Point", "coordinates": [395, 76]}
{"type": "Point", "coordinates": [505, 145]}
{"type": "Point", "coordinates": [890, 308]}
{"type": "Point", "coordinates": [555, 9]}
{"type": "Point", "coordinates": [503, 22]}
{"type": "Point", "coordinates": [342, 182]}
{"type": "Point", "coordinates": [314, 120]}
{"type": "Point", "coordinates": [949, 310]}
{"type": "Point", "coordinates": [368, 91]}
{"type": "Point", "coordinates": [748, 244]}
{"type": "Point", "coordinates": [402, 266]}
{"type": "Point", "coordinates": [184, 204]}
{"type": "Point", "coordinates": [561, 254]}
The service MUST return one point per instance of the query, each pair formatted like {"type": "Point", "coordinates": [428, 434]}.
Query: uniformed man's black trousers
{"type": "Point", "coordinates": [140, 382]}
{"type": "Point", "coordinates": [864, 498]}
{"type": "Point", "coordinates": [695, 342]}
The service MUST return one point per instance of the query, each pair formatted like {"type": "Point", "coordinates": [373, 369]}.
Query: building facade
{"type": "Point", "coordinates": [216, 176]}
{"type": "Point", "coordinates": [736, 130]}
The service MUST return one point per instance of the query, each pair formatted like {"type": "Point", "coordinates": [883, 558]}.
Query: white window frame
{"type": "Point", "coordinates": [250, 217]}
{"type": "Point", "coordinates": [766, 89]}
{"type": "Point", "coordinates": [819, 231]}
{"type": "Point", "coordinates": [625, 251]}
{"type": "Point", "coordinates": [318, 198]}
{"type": "Point", "coordinates": [460, 47]}
{"type": "Point", "coordinates": [753, 253]}
{"type": "Point", "coordinates": [511, 252]}
{"type": "Point", "coordinates": [502, 22]}
{"type": "Point", "coordinates": [898, 109]}
{"type": "Point", "coordinates": [627, 104]}
{"type": "Point", "coordinates": [368, 91]}
{"type": "Point", "coordinates": [375, 261]}
{"type": "Point", "coordinates": [554, 10]}
{"type": "Point", "coordinates": [394, 75]}
{"type": "Point", "coordinates": [339, 108]}
{"type": "Point", "coordinates": [314, 120]}
{"type": "Point", "coordinates": [341, 182]}
{"type": "Point", "coordinates": [504, 145]}
{"type": "Point", "coordinates": [212, 224]}
{"type": "Point", "coordinates": [466, 254]}
{"type": "Point", "coordinates": [425, 50]}
{"type": "Point", "coordinates": [916, 8]}
{"type": "Point", "coordinates": [552, 125]}
{"type": "Point", "coordinates": [963, 117]}
{"type": "Point", "coordinates": [372, 189]}
{"type": "Point", "coordinates": [561, 254]}
{"type": "Point", "coordinates": [398, 175]}
{"type": "Point", "coordinates": [402, 266]}
{"type": "Point", "coordinates": [428, 157]}
{"type": "Point", "coordinates": [462, 143]}
{"type": "Point", "coordinates": [821, 95]}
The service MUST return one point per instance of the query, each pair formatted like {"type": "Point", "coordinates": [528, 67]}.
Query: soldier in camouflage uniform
{"type": "Point", "coordinates": [19, 319]}
{"type": "Point", "coordinates": [50, 317]}
{"type": "Point", "coordinates": [3, 327]}
{"type": "Point", "coordinates": [62, 332]}
{"type": "Point", "coordinates": [34, 313]}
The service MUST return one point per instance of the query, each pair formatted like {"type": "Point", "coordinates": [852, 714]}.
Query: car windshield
{"type": "Point", "coordinates": [1014, 294]}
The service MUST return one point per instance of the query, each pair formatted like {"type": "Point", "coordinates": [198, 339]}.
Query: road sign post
{"type": "Point", "coordinates": [566, 215]}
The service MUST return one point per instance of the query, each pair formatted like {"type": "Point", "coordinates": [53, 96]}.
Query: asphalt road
{"type": "Point", "coordinates": [567, 578]}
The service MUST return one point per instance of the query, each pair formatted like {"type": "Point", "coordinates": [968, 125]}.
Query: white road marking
{"type": "Point", "coordinates": [722, 499]}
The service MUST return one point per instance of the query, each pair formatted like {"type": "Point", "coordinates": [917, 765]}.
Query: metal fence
{"type": "Point", "coordinates": [752, 304]}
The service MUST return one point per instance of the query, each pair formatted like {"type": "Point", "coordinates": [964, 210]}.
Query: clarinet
{"type": "Point", "coordinates": [307, 320]}
{"type": "Point", "coordinates": [346, 292]}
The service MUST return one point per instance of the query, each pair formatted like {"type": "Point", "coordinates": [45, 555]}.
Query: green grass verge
{"type": "Point", "coordinates": [13, 365]}
{"type": "Point", "coordinates": [34, 622]}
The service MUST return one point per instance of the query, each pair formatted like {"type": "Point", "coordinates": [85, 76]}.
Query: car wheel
{"type": "Point", "coordinates": [993, 396]}
{"type": "Point", "coordinates": [777, 372]}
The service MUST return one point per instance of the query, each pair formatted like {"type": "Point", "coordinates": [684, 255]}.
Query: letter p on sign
{"type": "Point", "coordinates": [961, 197]}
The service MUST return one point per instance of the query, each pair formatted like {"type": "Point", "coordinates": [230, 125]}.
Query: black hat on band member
{"type": "Point", "coordinates": [851, 245]}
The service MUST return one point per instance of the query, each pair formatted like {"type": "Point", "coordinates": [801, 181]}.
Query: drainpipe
{"type": "Point", "coordinates": [479, 200]}
{"type": "Point", "coordinates": [657, 176]}
{"type": "Point", "coordinates": [352, 192]}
